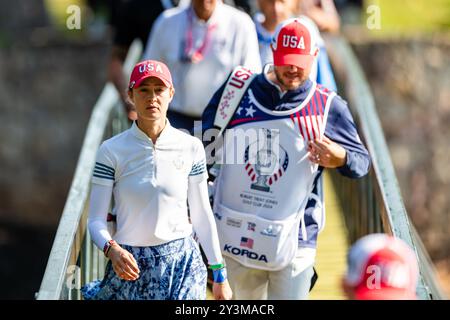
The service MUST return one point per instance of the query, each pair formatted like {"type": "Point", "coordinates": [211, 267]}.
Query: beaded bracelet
{"type": "Point", "coordinates": [108, 246]}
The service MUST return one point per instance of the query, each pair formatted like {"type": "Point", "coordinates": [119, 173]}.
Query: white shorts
{"type": "Point", "coordinates": [290, 283]}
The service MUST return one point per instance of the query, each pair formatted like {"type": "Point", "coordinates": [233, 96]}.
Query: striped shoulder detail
{"type": "Point", "coordinates": [310, 119]}
{"type": "Point", "coordinates": [103, 171]}
{"type": "Point", "coordinates": [198, 168]}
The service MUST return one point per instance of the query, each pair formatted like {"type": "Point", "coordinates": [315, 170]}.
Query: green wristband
{"type": "Point", "coordinates": [217, 266]}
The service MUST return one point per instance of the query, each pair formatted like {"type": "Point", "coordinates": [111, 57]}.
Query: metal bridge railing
{"type": "Point", "coordinates": [372, 204]}
{"type": "Point", "coordinates": [74, 260]}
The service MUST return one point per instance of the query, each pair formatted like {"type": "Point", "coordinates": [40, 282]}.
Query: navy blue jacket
{"type": "Point", "coordinates": [340, 128]}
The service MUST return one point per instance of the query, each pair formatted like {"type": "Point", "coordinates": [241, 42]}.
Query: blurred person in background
{"type": "Point", "coordinates": [273, 12]}
{"type": "Point", "coordinates": [201, 44]}
{"type": "Point", "coordinates": [270, 14]}
{"type": "Point", "coordinates": [130, 19]}
{"type": "Point", "coordinates": [322, 12]}
{"type": "Point", "coordinates": [381, 267]}
{"type": "Point", "coordinates": [244, 5]}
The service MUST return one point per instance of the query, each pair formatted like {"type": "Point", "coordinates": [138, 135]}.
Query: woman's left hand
{"type": "Point", "coordinates": [123, 263]}
{"type": "Point", "coordinates": [222, 291]}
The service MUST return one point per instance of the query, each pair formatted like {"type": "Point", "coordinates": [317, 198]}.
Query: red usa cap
{"type": "Point", "coordinates": [381, 267]}
{"type": "Point", "coordinates": [149, 68]}
{"type": "Point", "coordinates": [294, 43]}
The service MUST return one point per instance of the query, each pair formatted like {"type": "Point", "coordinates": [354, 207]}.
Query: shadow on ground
{"type": "Point", "coordinates": [24, 251]}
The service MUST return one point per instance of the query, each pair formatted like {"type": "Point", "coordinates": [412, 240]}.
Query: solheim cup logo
{"type": "Point", "coordinates": [263, 165]}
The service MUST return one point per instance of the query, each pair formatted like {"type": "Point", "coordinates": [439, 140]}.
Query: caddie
{"type": "Point", "coordinates": [279, 131]}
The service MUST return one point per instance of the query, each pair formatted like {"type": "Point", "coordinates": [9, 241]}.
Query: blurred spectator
{"type": "Point", "coordinates": [245, 5]}
{"type": "Point", "coordinates": [201, 44]}
{"type": "Point", "coordinates": [322, 12]}
{"type": "Point", "coordinates": [273, 12]}
{"type": "Point", "coordinates": [270, 14]}
{"type": "Point", "coordinates": [381, 267]}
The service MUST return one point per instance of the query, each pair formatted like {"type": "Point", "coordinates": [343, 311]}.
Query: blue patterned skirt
{"type": "Point", "coordinates": [171, 271]}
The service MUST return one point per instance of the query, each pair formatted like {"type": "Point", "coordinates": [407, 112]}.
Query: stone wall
{"type": "Point", "coordinates": [46, 97]}
{"type": "Point", "coordinates": [410, 79]}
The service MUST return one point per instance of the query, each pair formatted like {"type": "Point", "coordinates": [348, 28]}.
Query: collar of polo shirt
{"type": "Point", "coordinates": [138, 133]}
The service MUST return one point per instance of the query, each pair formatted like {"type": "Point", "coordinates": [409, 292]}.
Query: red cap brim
{"type": "Point", "coordinates": [384, 294]}
{"type": "Point", "coordinates": [156, 75]}
{"type": "Point", "coordinates": [300, 61]}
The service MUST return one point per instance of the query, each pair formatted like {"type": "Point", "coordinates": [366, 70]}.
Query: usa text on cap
{"type": "Point", "coordinates": [150, 68]}
{"type": "Point", "coordinates": [294, 43]}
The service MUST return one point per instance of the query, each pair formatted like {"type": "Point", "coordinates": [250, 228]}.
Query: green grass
{"type": "Point", "coordinates": [411, 16]}
{"type": "Point", "coordinates": [57, 11]}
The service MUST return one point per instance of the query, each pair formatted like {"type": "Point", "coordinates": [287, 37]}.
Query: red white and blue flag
{"type": "Point", "coordinates": [310, 119]}
{"type": "Point", "coordinates": [247, 242]}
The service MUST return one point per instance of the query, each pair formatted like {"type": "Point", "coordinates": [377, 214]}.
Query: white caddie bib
{"type": "Point", "coordinates": [270, 246]}
{"type": "Point", "coordinates": [260, 202]}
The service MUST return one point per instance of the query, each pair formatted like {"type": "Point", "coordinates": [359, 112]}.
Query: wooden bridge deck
{"type": "Point", "coordinates": [332, 249]}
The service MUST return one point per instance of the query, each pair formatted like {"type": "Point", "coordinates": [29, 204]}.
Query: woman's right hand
{"type": "Point", "coordinates": [123, 263]}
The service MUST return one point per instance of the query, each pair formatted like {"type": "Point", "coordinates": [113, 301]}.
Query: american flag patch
{"type": "Point", "coordinates": [247, 242]}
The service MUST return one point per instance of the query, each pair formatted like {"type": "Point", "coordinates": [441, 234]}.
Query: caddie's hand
{"type": "Point", "coordinates": [123, 263]}
{"type": "Point", "coordinates": [327, 153]}
{"type": "Point", "coordinates": [222, 291]}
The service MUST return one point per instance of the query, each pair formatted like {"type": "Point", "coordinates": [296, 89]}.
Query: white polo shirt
{"type": "Point", "coordinates": [150, 183]}
{"type": "Point", "coordinates": [232, 42]}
